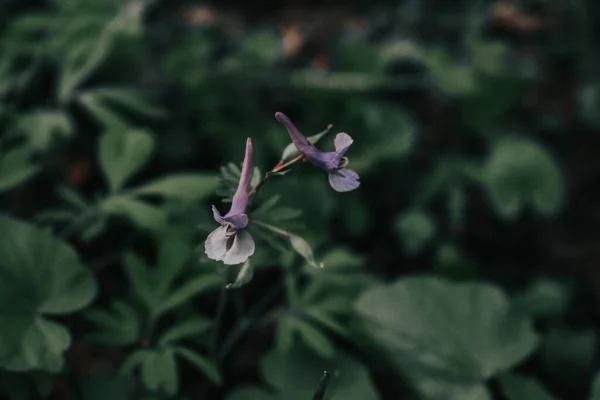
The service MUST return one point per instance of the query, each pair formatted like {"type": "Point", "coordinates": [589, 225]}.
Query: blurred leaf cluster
{"type": "Point", "coordinates": [463, 268]}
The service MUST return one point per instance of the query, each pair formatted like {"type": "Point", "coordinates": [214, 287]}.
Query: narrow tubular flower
{"type": "Point", "coordinates": [334, 163]}
{"type": "Point", "coordinates": [231, 243]}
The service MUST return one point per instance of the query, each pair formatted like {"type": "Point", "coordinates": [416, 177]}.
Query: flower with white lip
{"type": "Point", "coordinates": [231, 243]}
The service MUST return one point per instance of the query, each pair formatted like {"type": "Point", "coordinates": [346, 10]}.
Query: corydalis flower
{"type": "Point", "coordinates": [231, 243]}
{"type": "Point", "coordinates": [341, 178]}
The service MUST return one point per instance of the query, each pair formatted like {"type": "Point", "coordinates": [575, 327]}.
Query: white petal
{"type": "Point", "coordinates": [215, 246]}
{"type": "Point", "coordinates": [344, 180]}
{"type": "Point", "coordinates": [242, 249]}
{"type": "Point", "coordinates": [342, 141]}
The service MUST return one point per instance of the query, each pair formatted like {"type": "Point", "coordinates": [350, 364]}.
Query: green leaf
{"type": "Point", "coordinates": [261, 49]}
{"type": "Point", "coordinates": [15, 386]}
{"type": "Point", "coordinates": [42, 126]}
{"type": "Point", "coordinates": [73, 198]}
{"type": "Point", "coordinates": [392, 135]}
{"type": "Point", "coordinates": [515, 387]}
{"type": "Point", "coordinates": [16, 167]}
{"type": "Point", "coordinates": [121, 327]}
{"type": "Point", "coordinates": [189, 187]}
{"type": "Point", "coordinates": [416, 228]}
{"type": "Point", "coordinates": [194, 326]}
{"type": "Point", "coordinates": [43, 382]}
{"type": "Point", "coordinates": [106, 116]}
{"type": "Point", "coordinates": [595, 390]}
{"type": "Point", "coordinates": [48, 270]}
{"type": "Point", "coordinates": [131, 99]}
{"type": "Point", "coordinates": [451, 262]}
{"type": "Point", "coordinates": [201, 363]}
{"type": "Point", "coordinates": [243, 277]}
{"type": "Point", "coordinates": [103, 386]}
{"type": "Point", "coordinates": [230, 177]}
{"type": "Point", "coordinates": [83, 58]}
{"type": "Point", "coordinates": [173, 253]}
{"type": "Point", "coordinates": [568, 355]}
{"type": "Point", "coordinates": [251, 393]}
{"type": "Point", "coordinates": [284, 333]}
{"type": "Point", "coordinates": [134, 360]}
{"type": "Point", "coordinates": [303, 248]}
{"type": "Point", "coordinates": [140, 277]}
{"type": "Point", "coordinates": [452, 78]}
{"type": "Point", "coordinates": [170, 382]}
{"type": "Point", "coordinates": [314, 338]}
{"type": "Point", "coordinates": [326, 319]}
{"type": "Point", "coordinates": [188, 290]}
{"type": "Point", "coordinates": [293, 374]}
{"type": "Point", "coordinates": [544, 298]}
{"type": "Point", "coordinates": [152, 370]}
{"type": "Point", "coordinates": [457, 334]}
{"type": "Point", "coordinates": [122, 154]}
{"type": "Point", "coordinates": [142, 214]}
{"type": "Point", "coordinates": [42, 347]}
{"type": "Point", "coordinates": [519, 172]}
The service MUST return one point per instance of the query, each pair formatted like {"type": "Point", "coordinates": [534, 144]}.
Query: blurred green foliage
{"type": "Point", "coordinates": [458, 270]}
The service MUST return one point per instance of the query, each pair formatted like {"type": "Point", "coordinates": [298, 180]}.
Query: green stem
{"type": "Point", "coordinates": [248, 321]}
{"type": "Point", "coordinates": [218, 321]}
{"type": "Point", "coordinates": [291, 287]}
{"type": "Point", "coordinates": [77, 223]}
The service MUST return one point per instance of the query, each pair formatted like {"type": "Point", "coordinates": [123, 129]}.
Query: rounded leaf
{"type": "Point", "coordinates": [461, 332]}
{"type": "Point", "coordinates": [48, 271]}
{"type": "Point", "coordinates": [519, 171]}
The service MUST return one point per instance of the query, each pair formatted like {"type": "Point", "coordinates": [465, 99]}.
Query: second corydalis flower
{"type": "Point", "coordinates": [341, 178]}
{"type": "Point", "coordinates": [231, 243]}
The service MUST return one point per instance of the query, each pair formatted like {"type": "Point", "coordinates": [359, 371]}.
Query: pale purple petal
{"type": "Point", "coordinates": [217, 215]}
{"type": "Point", "coordinates": [344, 180]}
{"type": "Point", "coordinates": [239, 221]}
{"type": "Point", "coordinates": [301, 142]}
{"type": "Point", "coordinates": [241, 249]}
{"type": "Point", "coordinates": [240, 198]}
{"type": "Point", "coordinates": [324, 160]}
{"type": "Point", "coordinates": [215, 245]}
{"type": "Point", "coordinates": [342, 141]}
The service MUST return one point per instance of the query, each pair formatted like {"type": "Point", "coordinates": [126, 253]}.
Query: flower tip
{"type": "Point", "coordinates": [281, 118]}
{"type": "Point", "coordinates": [249, 144]}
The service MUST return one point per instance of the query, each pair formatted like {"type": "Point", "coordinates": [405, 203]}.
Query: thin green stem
{"type": "Point", "coordinates": [248, 321]}
{"type": "Point", "coordinates": [77, 223]}
{"type": "Point", "coordinates": [291, 287]}
{"type": "Point", "coordinates": [218, 321]}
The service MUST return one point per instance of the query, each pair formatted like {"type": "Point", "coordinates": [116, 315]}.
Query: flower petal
{"type": "Point", "coordinates": [301, 142]}
{"type": "Point", "coordinates": [215, 245]}
{"type": "Point", "coordinates": [240, 198]}
{"type": "Point", "coordinates": [342, 141]}
{"type": "Point", "coordinates": [239, 221]}
{"type": "Point", "coordinates": [217, 215]}
{"type": "Point", "coordinates": [344, 180]}
{"type": "Point", "coordinates": [242, 249]}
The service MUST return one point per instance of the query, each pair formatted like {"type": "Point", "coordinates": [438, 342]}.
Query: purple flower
{"type": "Point", "coordinates": [230, 242]}
{"type": "Point", "coordinates": [341, 178]}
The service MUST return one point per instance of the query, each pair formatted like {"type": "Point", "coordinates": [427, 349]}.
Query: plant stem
{"type": "Point", "coordinates": [278, 168]}
{"type": "Point", "coordinates": [248, 321]}
{"type": "Point", "coordinates": [272, 228]}
{"type": "Point", "coordinates": [291, 286]}
{"type": "Point", "coordinates": [75, 225]}
{"type": "Point", "coordinates": [218, 321]}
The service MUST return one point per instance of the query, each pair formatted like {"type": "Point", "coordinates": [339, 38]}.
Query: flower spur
{"type": "Point", "coordinates": [334, 163]}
